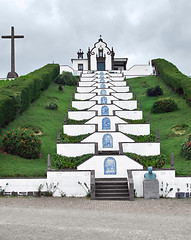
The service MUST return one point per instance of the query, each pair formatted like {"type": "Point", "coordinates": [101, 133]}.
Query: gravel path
{"type": "Point", "coordinates": [80, 218]}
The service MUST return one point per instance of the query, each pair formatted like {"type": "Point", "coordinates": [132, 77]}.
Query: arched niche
{"type": "Point", "coordinates": [102, 85]}
{"type": "Point", "coordinates": [104, 111]}
{"type": "Point", "coordinates": [104, 100]}
{"type": "Point", "coordinates": [107, 141]}
{"type": "Point", "coordinates": [110, 166]}
{"type": "Point", "coordinates": [103, 92]}
{"type": "Point", "coordinates": [106, 123]}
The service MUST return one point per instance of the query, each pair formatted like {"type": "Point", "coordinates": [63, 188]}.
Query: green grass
{"type": "Point", "coordinates": [48, 121]}
{"type": "Point", "coordinates": [170, 142]}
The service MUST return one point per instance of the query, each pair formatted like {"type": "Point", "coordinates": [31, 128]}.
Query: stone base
{"type": "Point", "coordinates": [12, 75]}
{"type": "Point", "coordinates": [151, 189]}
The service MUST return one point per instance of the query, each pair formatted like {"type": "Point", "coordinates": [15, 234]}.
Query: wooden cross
{"type": "Point", "coordinates": [12, 74]}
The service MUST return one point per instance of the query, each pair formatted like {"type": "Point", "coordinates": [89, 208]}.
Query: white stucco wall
{"type": "Point", "coordinates": [130, 104]}
{"type": "Point", "coordinates": [109, 98]}
{"type": "Point", "coordinates": [83, 104]}
{"type": "Point", "coordinates": [86, 84]}
{"type": "Point", "coordinates": [81, 115]}
{"type": "Point", "coordinates": [75, 63]}
{"type": "Point", "coordinates": [135, 129]}
{"type": "Point", "coordinates": [118, 84]}
{"type": "Point", "coordinates": [98, 138]}
{"type": "Point", "coordinates": [75, 130]}
{"type": "Point", "coordinates": [66, 68]}
{"type": "Point", "coordinates": [22, 184]}
{"type": "Point", "coordinates": [85, 89]}
{"type": "Point", "coordinates": [68, 182]}
{"type": "Point", "coordinates": [84, 96]}
{"type": "Point", "coordinates": [143, 149]}
{"type": "Point", "coordinates": [133, 115]}
{"type": "Point", "coordinates": [86, 79]}
{"type": "Point", "coordinates": [124, 89]}
{"type": "Point", "coordinates": [108, 91]}
{"type": "Point", "coordinates": [75, 149]}
{"type": "Point", "coordinates": [138, 70]}
{"type": "Point", "coordinates": [98, 120]}
{"type": "Point", "coordinates": [123, 96]}
{"type": "Point", "coordinates": [111, 108]}
{"type": "Point", "coordinates": [122, 164]}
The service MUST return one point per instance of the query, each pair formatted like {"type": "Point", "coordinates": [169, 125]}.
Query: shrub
{"type": "Point", "coordinates": [143, 138]}
{"type": "Point", "coordinates": [155, 161]}
{"type": "Point", "coordinates": [185, 150]}
{"type": "Point", "coordinates": [164, 105]}
{"type": "Point", "coordinates": [60, 88]}
{"type": "Point", "coordinates": [154, 92]}
{"type": "Point", "coordinates": [52, 106]}
{"type": "Point", "coordinates": [66, 78]}
{"type": "Point", "coordinates": [23, 143]}
{"type": "Point", "coordinates": [173, 78]}
{"type": "Point", "coordinates": [16, 96]}
{"type": "Point", "coordinates": [72, 139]}
{"type": "Point", "coordinates": [62, 162]}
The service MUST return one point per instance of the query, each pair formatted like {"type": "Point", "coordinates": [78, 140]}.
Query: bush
{"type": "Point", "coordinates": [23, 143]}
{"type": "Point", "coordinates": [60, 88]}
{"type": "Point", "coordinates": [16, 96]}
{"type": "Point", "coordinates": [52, 106]}
{"type": "Point", "coordinates": [173, 78]}
{"type": "Point", "coordinates": [154, 92]}
{"type": "Point", "coordinates": [164, 105]}
{"type": "Point", "coordinates": [185, 150]}
{"type": "Point", "coordinates": [155, 161]}
{"type": "Point", "coordinates": [66, 78]}
{"type": "Point", "coordinates": [62, 162]}
{"type": "Point", "coordinates": [143, 138]}
{"type": "Point", "coordinates": [72, 139]}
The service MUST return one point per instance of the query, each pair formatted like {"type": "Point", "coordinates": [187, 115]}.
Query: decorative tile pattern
{"type": "Point", "coordinates": [102, 85]}
{"type": "Point", "coordinates": [107, 141]}
{"type": "Point", "coordinates": [104, 111]}
{"type": "Point", "coordinates": [106, 123]}
{"type": "Point", "coordinates": [104, 100]}
{"type": "Point", "coordinates": [103, 92]}
{"type": "Point", "coordinates": [110, 166]}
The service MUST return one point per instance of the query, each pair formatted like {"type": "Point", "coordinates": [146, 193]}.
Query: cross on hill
{"type": "Point", "coordinates": [12, 74]}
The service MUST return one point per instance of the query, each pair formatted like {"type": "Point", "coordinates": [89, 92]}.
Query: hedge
{"type": "Point", "coordinates": [173, 78]}
{"type": "Point", "coordinates": [16, 96]}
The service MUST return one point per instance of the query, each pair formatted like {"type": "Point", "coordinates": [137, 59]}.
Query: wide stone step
{"type": "Point", "coordinates": [120, 194]}
{"type": "Point", "coordinates": [113, 198]}
{"type": "Point", "coordinates": [110, 179]}
{"type": "Point", "coordinates": [116, 186]}
{"type": "Point", "coordinates": [111, 190]}
{"type": "Point", "coordinates": [108, 152]}
{"type": "Point", "coordinates": [110, 183]}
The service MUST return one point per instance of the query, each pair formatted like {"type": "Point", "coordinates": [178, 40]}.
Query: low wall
{"type": "Point", "coordinates": [107, 90]}
{"type": "Point", "coordinates": [85, 89]}
{"type": "Point", "coordinates": [123, 96]}
{"type": "Point", "coordinates": [84, 96]}
{"type": "Point", "coordinates": [83, 104]}
{"type": "Point", "coordinates": [123, 89]}
{"type": "Point", "coordinates": [143, 149]}
{"type": "Point", "coordinates": [167, 182]}
{"type": "Point", "coordinates": [75, 149]}
{"type": "Point", "coordinates": [113, 121]}
{"type": "Point", "coordinates": [116, 138]}
{"type": "Point", "coordinates": [111, 108]}
{"type": "Point", "coordinates": [86, 84]}
{"type": "Point", "coordinates": [75, 130]}
{"type": "Point", "coordinates": [81, 115]}
{"type": "Point", "coordinates": [133, 115]}
{"type": "Point", "coordinates": [135, 129]}
{"type": "Point", "coordinates": [130, 105]}
{"type": "Point", "coordinates": [122, 164]}
{"type": "Point", "coordinates": [68, 182]}
{"type": "Point", "coordinates": [22, 186]}
{"type": "Point", "coordinates": [139, 70]}
{"type": "Point", "coordinates": [119, 84]}
{"type": "Point", "coordinates": [109, 99]}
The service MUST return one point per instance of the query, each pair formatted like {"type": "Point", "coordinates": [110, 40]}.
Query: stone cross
{"type": "Point", "coordinates": [12, 74]}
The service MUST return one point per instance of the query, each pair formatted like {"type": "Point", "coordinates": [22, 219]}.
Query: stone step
{"type": "Point", "coordinates": [126, 195]}
{"type": "Point", "coordinates": [111, 190]}
{"type": "Point", "coordinates": [111, 183]}
{"type": "Point", "coordinates": [116, 186]}
{"type": "Point", "coordinates": [110, 179]}
{"type": "Point", "coordinates": [108, 152]}
{"type": "Point", "coordinates": [113, 198]}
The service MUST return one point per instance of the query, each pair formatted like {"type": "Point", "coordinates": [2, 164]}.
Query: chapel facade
{"type": "Point", "coordinates": [99, 58]}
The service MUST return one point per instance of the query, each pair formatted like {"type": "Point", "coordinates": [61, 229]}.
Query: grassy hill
{"type": "Point", "coordinates": [169, 124]}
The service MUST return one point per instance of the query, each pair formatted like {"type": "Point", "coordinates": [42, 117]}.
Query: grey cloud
{"type": "Point", "coordinates": [55, 30]}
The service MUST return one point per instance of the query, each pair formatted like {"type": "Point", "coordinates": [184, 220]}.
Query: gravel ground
{"type": "Point", "coordinates": [80, 218]}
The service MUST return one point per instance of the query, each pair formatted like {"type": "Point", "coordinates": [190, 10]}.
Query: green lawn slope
{"type": "Point", "coordinates": [170, 141]}
{"type": "Point", "coordinates": [48, 121]}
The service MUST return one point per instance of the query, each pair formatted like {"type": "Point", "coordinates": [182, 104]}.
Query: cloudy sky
{"type": "Point", "coordinates": [54, 30]}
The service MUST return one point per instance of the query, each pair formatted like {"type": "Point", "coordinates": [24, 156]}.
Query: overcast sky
{"type": "Point", "coordinates": [55, 30]}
